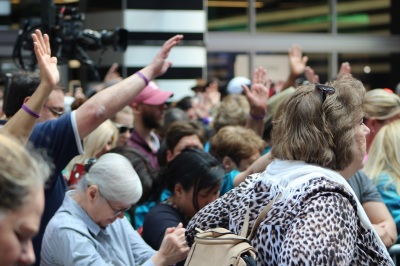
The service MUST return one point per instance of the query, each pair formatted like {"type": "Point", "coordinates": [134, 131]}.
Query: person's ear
{"type": "Point", "coordinates": [93, 193]}
{"type": "Point", "coordinates": [135, 108]}
{"type": "Point", "coordinates": [178, 190]}
{"type": "Point", "coordinates": [26, 99]}
{"type": "Point", "coordinates": [372, 124]}
{"type": "Point", "coordinates": [229, 164]}
{"type": "Point", "coordinates": [169, 156]}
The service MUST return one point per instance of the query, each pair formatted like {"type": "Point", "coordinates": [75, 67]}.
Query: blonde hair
{"type": "Point", "coordinates": [384, 154]}
{"type": "Point", "coordinates": [105, 134]}
{"type": "Point", "coordinates": [232, 111]}
{"type": "Point", "coordinates": [380, 104]}
{"type": "Point", "coordinates": [22, 173]}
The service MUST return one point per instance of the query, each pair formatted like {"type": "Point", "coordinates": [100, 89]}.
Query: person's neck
{"type": "Point", "coordinates": [143, 131]}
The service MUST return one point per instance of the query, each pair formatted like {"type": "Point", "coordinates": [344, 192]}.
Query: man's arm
{"type": "Point", "coordinates": [382, 221]}
{"type": "Point", "coordinates": [21, 124]}
{"type": "Point", "coordinates": [106, 103]}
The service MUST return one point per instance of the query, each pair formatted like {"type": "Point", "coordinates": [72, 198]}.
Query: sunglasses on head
{"type": "Point", "coordinates": [325, 89]}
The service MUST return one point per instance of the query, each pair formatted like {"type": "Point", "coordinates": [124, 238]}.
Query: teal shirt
{"type": "Point", "coordinates": [387, 188]}
{"type": "Point", "coordinates": [227, 183]}
{"type": "Point", "coordinates": [143, 209]}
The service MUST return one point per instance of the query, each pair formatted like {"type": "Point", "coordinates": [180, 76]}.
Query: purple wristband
{"type": "Point", "coordinates": [257, 118]}
{"type": "Point", "coordinates": [140, 74]}
{"type": "Point", "coordinates": [29, 111]}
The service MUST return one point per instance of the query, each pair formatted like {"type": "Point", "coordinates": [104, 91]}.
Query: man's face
{"type": "Point", "coordinates": [17, 230]}
{"type": "Point", "coordinates": [152, 115]}
{"type": "Point", "coordinates": [191, 141]}
{"type": "Point", "coordinates": [54, 106]}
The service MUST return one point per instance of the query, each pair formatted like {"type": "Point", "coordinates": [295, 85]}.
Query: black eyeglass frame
{"type": "Point", "coordinates": [325, 89]}
{"type": "Point", "coordinates": [117, 212]}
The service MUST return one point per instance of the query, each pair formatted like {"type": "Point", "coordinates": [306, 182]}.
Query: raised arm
{"type": "Point", "coordinates": [21, 124]}
{"type": "Point", "coordinates": [257, 97]}
{"type": "Point", "coordinates": [106, 103]}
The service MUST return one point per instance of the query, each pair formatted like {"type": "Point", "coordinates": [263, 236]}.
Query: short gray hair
{"type": "Point", "coordinates": [115, 177]}
{"type": "Point", "coordinates": [22, 173]}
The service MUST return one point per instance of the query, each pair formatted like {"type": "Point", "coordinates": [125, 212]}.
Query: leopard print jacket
{"type": "Point", "coordinates": [318, 226]}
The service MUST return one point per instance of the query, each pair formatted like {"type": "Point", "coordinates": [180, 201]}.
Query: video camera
{"type": "Point", "coordinates": [68, 38]}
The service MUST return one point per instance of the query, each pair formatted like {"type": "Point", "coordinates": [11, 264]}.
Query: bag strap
{"type": "Point", "coordinates": [259, 219]}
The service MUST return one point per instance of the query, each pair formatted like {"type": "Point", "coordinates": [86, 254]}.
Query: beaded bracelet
{"type": "Point", "coordinates": [146, 80]}
{"type": "Point", "coordinates": [29, 111]}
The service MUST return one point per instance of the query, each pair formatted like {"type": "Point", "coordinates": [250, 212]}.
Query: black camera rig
{"type": "Point", "coordinates": [68, 38]}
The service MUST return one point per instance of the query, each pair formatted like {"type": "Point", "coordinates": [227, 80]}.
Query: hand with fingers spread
{"type": "Point", "coordinates": [173, 248]}
{"type": "Point", "coordinates": [160, 64]}
{"type": "Point", "coordinates": [310, 75]}
{"type": "Point", "coordinates": [258, 95]}
{"type": "Point", "coordinates": [297, 61]}
{"type": "Point", "coordinates": [49, 74]}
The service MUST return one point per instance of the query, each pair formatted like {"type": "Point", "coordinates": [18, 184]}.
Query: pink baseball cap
{"type": "Point", "coordinates": [152, 95]}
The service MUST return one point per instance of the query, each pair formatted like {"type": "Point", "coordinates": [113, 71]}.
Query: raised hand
{"type": "Point", "coordinates": [311, 76]}
{"type": "Point", "coordinates": [49, 74]}
{"type": "Point", "coordinates": [297, 61]}
{"type": "Point", "coordinates": [112, 74]}
{"type": "Point", "coordinates": [344, 69]}
{"type": "Point", "coordinates": [160, 64]}
{"type": "Point", "coordinates": [297, 65]}
{"type": "Point", "coordinates": [258, 95]}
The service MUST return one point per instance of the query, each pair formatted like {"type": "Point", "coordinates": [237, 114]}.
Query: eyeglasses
{"type": "Point", "coordinates": [56, 111]}
{"type": "Point", "coordinates": [325, 89]}
{"type": "Point", "coordinates": [117, 212]}
{"type": "Point", "coordinates": [122, 128]}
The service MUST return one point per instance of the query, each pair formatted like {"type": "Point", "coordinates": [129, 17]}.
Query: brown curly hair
{"type": "Point", "coordinates": [316, 131]}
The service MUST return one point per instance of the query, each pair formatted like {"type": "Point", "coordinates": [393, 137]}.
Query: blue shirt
{"type": "Point", "coordinates": [60, 139]}
{"type": "Point", "coordinates": [387, 187]}
{"type": "Point", "coordinates": [73, 238]}
{"type": "Point", "coordinates": [227, 182]}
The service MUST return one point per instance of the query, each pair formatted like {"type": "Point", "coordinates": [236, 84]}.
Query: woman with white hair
{"type": "Point", "coordinates": [86, 229]}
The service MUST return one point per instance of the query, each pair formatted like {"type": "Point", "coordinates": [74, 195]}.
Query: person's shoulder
{"type": "Point", "coordinates": [64, 221]}
{"type": "Point", "coordinates": [162, 208]}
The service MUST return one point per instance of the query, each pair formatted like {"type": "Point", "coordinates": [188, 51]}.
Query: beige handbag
{"type": "Point", "coordinates": [221, 247]}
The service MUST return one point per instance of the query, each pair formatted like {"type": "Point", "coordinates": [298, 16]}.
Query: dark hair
{"type": "Point", "coordinates": [185, 103]}
{"type": "Point", "coordinates": [193, 168]}
{"type": "Point", "coordinates": [180, 129]}
{"type": "Point", "coordinates": [172, 115]}
{"type": "Point", "coordinates": [23, 84]}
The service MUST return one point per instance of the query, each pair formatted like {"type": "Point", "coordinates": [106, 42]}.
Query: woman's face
{"type": "Point", "coordinates": [204, 197]}
{"type": "Point", "coordinates": [17, 230]}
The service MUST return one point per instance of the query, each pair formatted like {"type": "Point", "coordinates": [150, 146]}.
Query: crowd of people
{"type": "Point", "coordinates": [123, 176]}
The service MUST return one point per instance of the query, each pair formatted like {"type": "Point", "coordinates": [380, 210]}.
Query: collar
{"type": "Point", "coordinates": [78, 212]}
